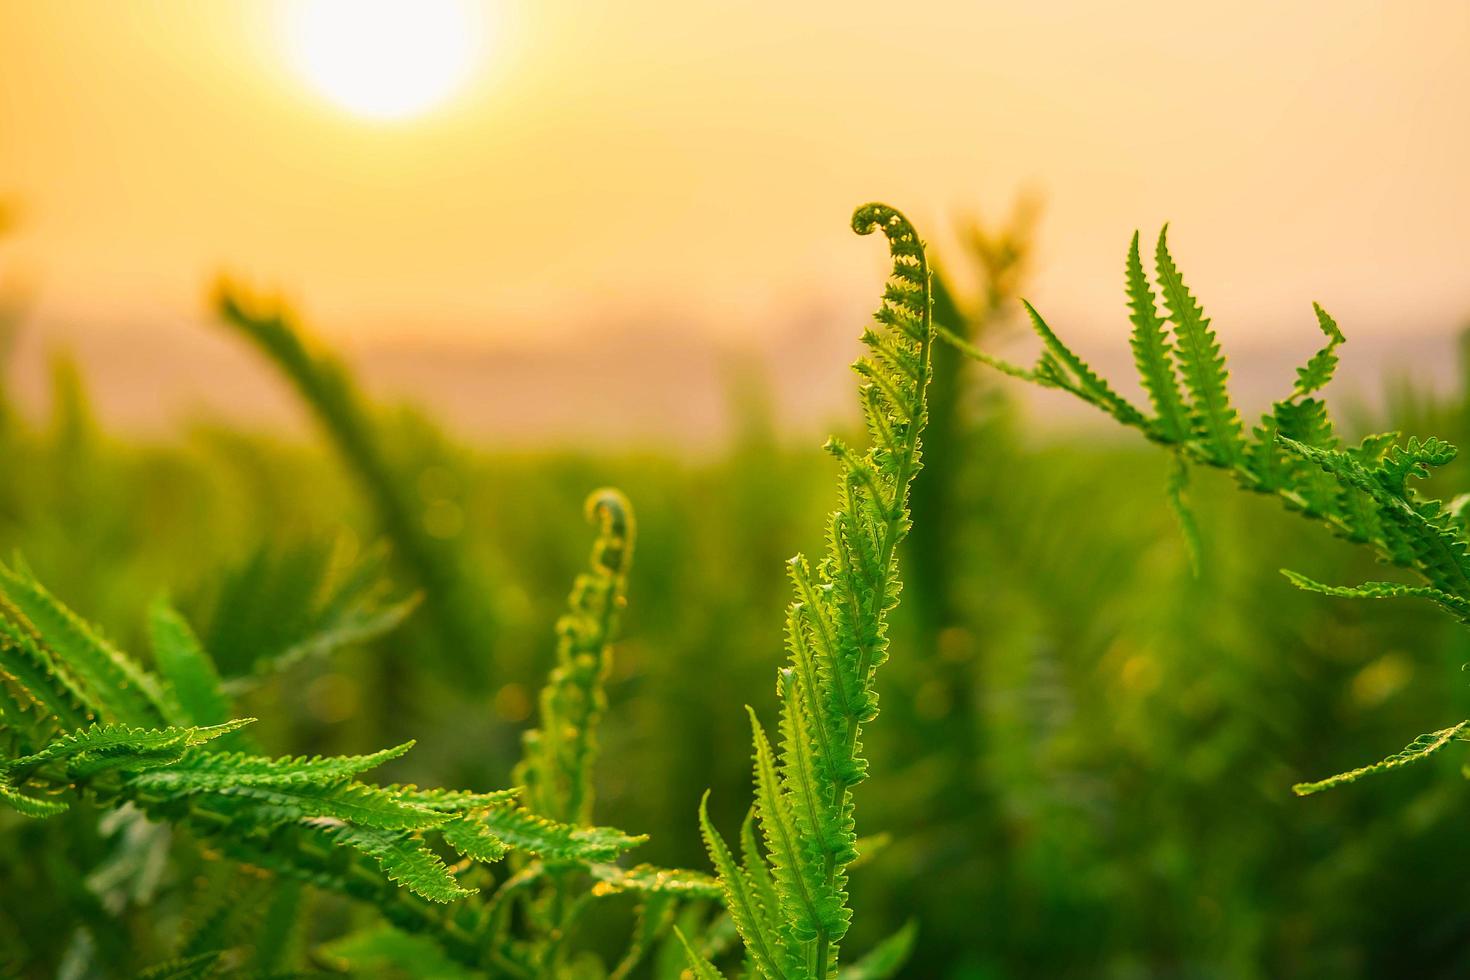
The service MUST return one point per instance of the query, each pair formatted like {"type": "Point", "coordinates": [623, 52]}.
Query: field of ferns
{"type": "Point", "coordinates": [384, 703]}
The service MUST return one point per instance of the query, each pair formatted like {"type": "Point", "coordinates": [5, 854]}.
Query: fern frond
{"type": "Point", "coordinates": [366, 863]}
{"type": "Point", "coordinates": [1362, 492]}
{"type": "Point", "coordinates": [795, 909]}
{"type": "Point", "coordinates": [1421, 748]}
{"type": "Point", "coordinates": [559, 755]}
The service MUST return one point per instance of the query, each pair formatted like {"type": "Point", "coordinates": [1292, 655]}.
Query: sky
{"type": "Point", "coordinates": [686, 170]}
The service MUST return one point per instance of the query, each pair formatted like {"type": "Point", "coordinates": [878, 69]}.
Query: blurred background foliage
{"type": "Point", "coordinates": [1085, 753]}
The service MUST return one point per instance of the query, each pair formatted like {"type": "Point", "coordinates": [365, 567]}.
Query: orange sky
{"type": "Point", "coordinates": [696, 163]}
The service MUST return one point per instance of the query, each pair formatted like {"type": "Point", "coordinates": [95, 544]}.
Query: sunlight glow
{"type": "Point", "coordinates": [385, 59]}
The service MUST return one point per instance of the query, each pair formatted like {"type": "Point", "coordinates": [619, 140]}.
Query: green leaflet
{"type": "Point", "coordinates": [1083, 381]}
{"type": "Point", "coordinates": [755, 920]}
{"type": "Point", "coordinates": [47, 698]}
{"type": "Point", "coordinates": [195, 693]}
{"type": "Point", "coordinates": [403, 859]}
{"type": "Point", "coordinates": [1383, 590]}
{"type": "Point", "coordinates": [811, 904]}
{"type": "Point", "coordinates": [647, 879]}
{"type": "Point", "coordinates": [120, 742]}
{"type": "Point", "coordinates": [553, 841]}
{"type": "Point", "coordinates": [471, 838]}
{"type": "Point", "coordinates": [280, 801]}
{"type": "Point", "coordinates": [202, 771]}
{"type": "Point", "coordinates": [1421, 748]}
{"type": "Point", "coordinates": [451, 800]}
{"type": "Point", "coordinates": [1153, 353]}
{"type": "Point", "coordinates": [1318, 371]}
{"type": "Point", "coordinates": [1214, 419]}
{"type": "Point", "coordinates": [115, 682]}
{"type": "Point", "coordinates": [30, 806]}
{"type": "Point", "coordinates": [701, 968]}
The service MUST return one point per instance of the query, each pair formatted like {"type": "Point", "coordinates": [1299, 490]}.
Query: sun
{"type": "Point", "coordinates": [385, 59]}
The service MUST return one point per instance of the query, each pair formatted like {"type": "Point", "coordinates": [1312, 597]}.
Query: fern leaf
{"type": "Point", "coordinates": [1383, 590]}
{"type": "Point", "coordinates": [1153, 353]}
{"type": "Point", "coordinates": [1215, 420]}
{"type": "Point", "coordinates": [1421, 748]}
